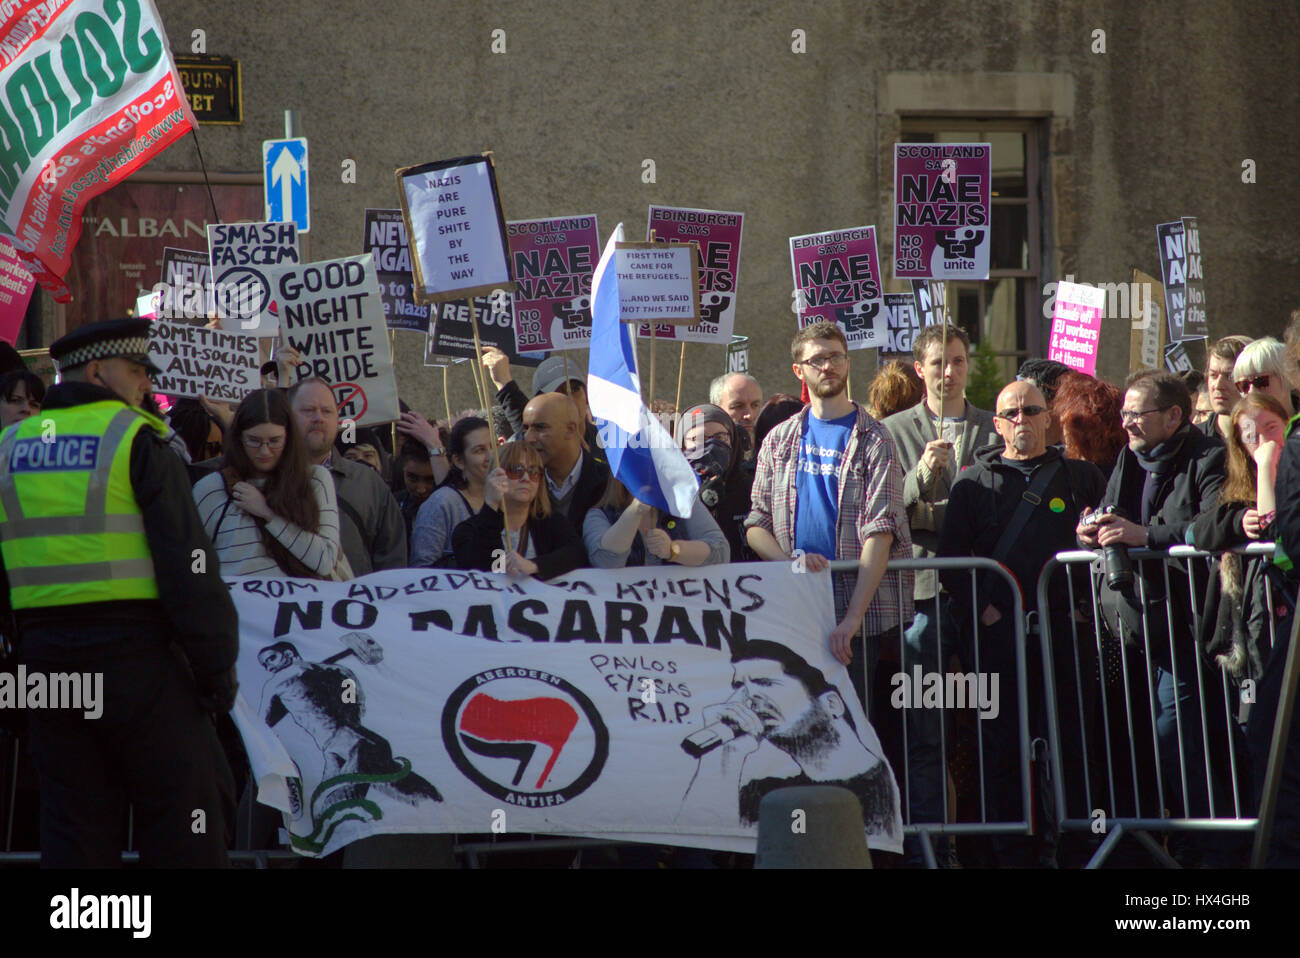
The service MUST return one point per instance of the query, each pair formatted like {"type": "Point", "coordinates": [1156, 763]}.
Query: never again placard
{"type": "Point", "coordinates": [197, 361]}
{"type": "Point", "coordinates": [646, 704]}
{"type": "Point", "coordinates": [332, 313]}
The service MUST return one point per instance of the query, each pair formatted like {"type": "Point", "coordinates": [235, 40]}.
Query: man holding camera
{"type": "Point", "coordinates": [1170, 473]}
{"type": "Point", "coordinates": [1016, 504]}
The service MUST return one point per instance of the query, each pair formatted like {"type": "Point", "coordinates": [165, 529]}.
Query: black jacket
{"type": "Point", "coordinates": [1235, 613]}
{"type": "Point", "coordinates": [194, 606]}
{"type": "Point", "coordinates": [1287, 487]}
{"type": "Point", "coordinates": [1189, 488]}
{"type": "Point", "coordinates": [557, 545]}
{"type": "Point", "coordinates": [981, 505]}
{"type": "Point", "coordinates": [591, 485]}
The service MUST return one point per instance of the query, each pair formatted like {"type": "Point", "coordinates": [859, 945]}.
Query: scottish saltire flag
{"type": "Point", "coordinates": [641, 453]}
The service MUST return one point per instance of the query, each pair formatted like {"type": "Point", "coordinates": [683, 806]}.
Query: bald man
{"type": "Point", "coordinates": [740, 397]}
{"type": "Point", "coordinates": [575, 477]}
{"type": "Point", "coordinates": [1019, 504]}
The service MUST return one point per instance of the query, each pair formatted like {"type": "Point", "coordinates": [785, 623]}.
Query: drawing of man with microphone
{"type": "Point", "coordinates": [780, 703]}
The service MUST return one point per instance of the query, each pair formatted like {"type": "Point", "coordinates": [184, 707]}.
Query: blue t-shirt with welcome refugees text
{"type": "Point", "coordinates": [817, 482]}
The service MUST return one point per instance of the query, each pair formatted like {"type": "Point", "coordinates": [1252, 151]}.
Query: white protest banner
{"type": "Point", "coordinates": [243, 256]}
{"type": "Point", "coordinates": [942, 210]}
{"type": "Point", "coordinates": [657, 283]}
{"type": "Point", "coordinates": [90, 94]}
{"type": "Point", "coordinates": [837, 280]}
{"type": "Point", "coordinates": [1076, 326]}
{"type": "Point", "coordinates": [332, 312]}
{"type": "Point", "coordinates": [718, 235]}
{"type": "Point", "coordinates": [453, 217]}
{"type": "Point", "coordinates": [641, 704]}
{"type": "Point", "coordinates": [197, 361]}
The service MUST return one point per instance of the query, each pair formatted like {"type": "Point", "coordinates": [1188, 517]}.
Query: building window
{"type": "Point", "coordinates": [1006, 308]}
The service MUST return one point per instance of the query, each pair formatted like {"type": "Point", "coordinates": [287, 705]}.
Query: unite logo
{"type": "Point", "coordinates": [525, 736]}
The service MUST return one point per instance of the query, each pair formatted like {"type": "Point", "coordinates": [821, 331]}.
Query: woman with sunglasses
{"type": "Point", "coordinates": [1266, 366]}
{"type": "Point", "coordinates": [516, 532]}
{"type": "Point", "coordinates": [459, 497]}
{"type": "Point", "coordinates": [267, 510]}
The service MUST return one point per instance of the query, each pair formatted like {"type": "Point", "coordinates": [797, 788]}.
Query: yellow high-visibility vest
{"type": "Point", "coordinates": [70, 529]}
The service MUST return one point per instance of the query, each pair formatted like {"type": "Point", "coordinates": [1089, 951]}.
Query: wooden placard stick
{"type": "Point", "coordinates": [487, 406]}
{"type": "Point", "coordinates": [681, 368]}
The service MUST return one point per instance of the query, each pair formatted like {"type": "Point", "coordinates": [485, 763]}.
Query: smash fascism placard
{"type": "Point", "coordinates": [654, 705]}
{"type": "Point", "coordinates": [244, 255]}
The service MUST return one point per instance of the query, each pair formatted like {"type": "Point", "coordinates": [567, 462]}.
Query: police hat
{"type": "Point", "coordinates": [112, 338]}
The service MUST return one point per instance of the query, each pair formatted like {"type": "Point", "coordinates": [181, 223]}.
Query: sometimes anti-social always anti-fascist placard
{"type": "Point", "coordinates": [1195, 321]}
{"type": "Point", "coordinates": [658, 283]}
{"type": "Point", "coordinates": [453, 218]}
{"type": "Point", "coordinates": [184, 295]}
{"type": "Point", "coordinates": [942, 197]}
{"type": "Point", "coordinates": [243, 257]}
{"type": "Point", "coordinates": [385, 240]}
{"type": "Point", "coordinates": [554, 260]}
{"type": "Point", "coordinates": [197, 361]}
{"type": "Point", "coordinates": [332, 313]}
{"type": "Point", "coordinates": [1076, 326]}
{"type": "Point", "coordinates": [718, 236]}
{"type": "Point", "coordinates": [655, 705]}
{"type": "Point", "coordinates": [91, 95]}
{"type": "Point", "coordinates": [453, 333]}
{"type": "Point", "coordinates": [837, 280]}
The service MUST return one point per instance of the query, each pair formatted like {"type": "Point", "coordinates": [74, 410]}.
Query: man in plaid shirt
{"type": "Point", "coordinates": [828, 486]}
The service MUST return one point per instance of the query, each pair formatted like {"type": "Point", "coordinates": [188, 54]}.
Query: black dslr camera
{"type": "Point", "coordinates": [1119, 567]}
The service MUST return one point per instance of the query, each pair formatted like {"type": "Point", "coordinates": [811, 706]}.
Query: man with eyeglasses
{"type": "Point", "coordinates": [1169, 474]}
{"type": "Point", "coordinates": [828, 486]}
{"type": "Point", "coordinates": [99, 537]}
{"type": "Point", "coordinates": [1017, 504]}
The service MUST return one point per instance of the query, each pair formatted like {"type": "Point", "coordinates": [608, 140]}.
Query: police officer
{"type": "Point", "coordinates": [108, 572]}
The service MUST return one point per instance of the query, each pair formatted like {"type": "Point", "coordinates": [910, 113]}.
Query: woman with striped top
{"type": "Point", "coordinates": [267, 510]}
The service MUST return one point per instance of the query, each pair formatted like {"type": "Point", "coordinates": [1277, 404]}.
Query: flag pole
{"type": "Point", "coordinates": [654, 338]}
{"type": "Point", "coordinates": [446, 397]}
{"type": "Point", "coordinates": [487, 406]}
{"type": "Point", "coordinates": [681, 368]}
{"type": "Point", "coordinates": [392, 361]}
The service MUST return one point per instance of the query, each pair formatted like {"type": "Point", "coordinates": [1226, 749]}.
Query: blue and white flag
{"type": "Point", "coordinates": [641, 453]}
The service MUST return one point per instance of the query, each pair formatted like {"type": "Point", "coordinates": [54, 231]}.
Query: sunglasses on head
{"type": "Point", "coordinates": [1255, 382]}
{"type": "Point", "coordinates": [518, 471]}
{"type": "Point", "coordinates": [1013, 414]}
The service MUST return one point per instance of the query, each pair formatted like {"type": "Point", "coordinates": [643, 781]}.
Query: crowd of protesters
{"type": "Point", "coordinates": [917, 471]}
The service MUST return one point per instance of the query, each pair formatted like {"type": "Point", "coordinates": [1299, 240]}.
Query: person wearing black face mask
{"type": "Point", "coordinates": [715, 447]}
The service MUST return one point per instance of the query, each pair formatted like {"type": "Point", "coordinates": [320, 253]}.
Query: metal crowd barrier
{"type": "Point", "coordinates": [471, 850]}
{"type": "Point", "coordinates": [1113, 754]}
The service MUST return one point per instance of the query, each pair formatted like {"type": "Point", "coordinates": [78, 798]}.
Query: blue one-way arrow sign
{"type": "Point", "coordinates": [284, 164]}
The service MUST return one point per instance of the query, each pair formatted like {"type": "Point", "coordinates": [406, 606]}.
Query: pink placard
{"type": "Point", "coordinates": [16, 286]}
{"type": "Point", "coordinates": [1076, 326]}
